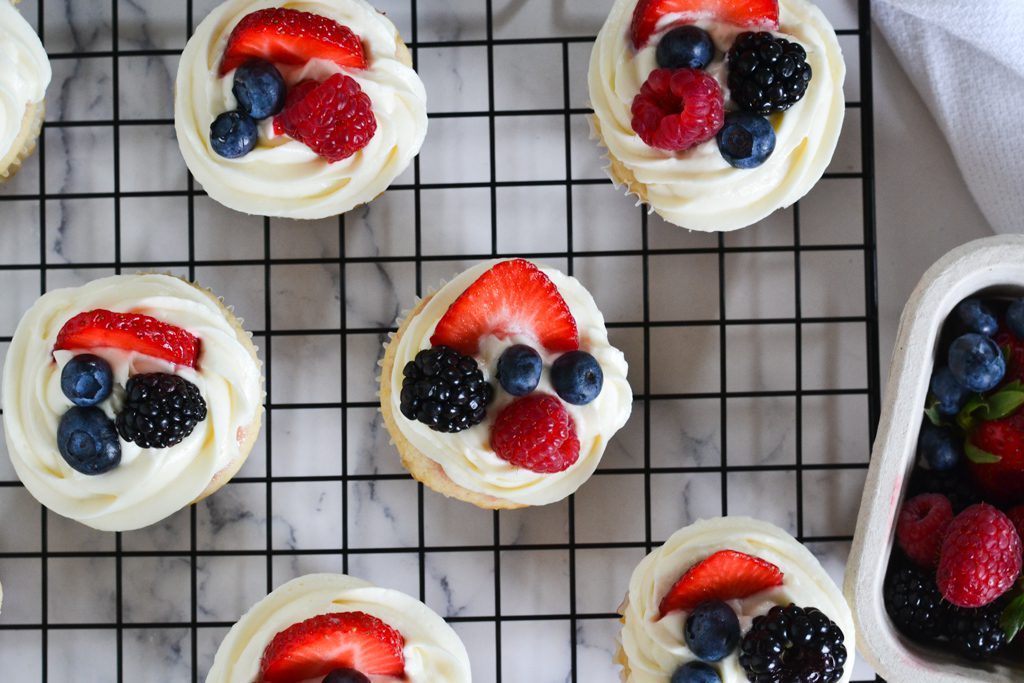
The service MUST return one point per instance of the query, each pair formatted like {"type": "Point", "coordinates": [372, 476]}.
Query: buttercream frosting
{"type": "Point", "coordinates": [24, 73]}
{"type": "Point", "coordinates": [433, 652]}
{"type": "Point", "coordinates": [282, 176]}
{"type": "Point", "coordinates": [149, 484]}
{"type": "Point", "coordinates": [697, 188]}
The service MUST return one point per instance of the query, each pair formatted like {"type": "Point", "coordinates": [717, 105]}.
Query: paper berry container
{"type": "Point", "coordinates": [992, 267]}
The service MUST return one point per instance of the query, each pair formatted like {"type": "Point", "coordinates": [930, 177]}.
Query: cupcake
{"type": "Point", "coordinates": [128, 398]}
{"type": "Point", "coordinates": [338, 629]}
{"type": "Point", "coordinates": [501, 388]}
{"type": "Point", "coordinates": [297, 110]}
{"type": "Point", "coordinates": [717, 600]}
{"type": "Point", "coordinates": [716, 114]}
{"type": "Point", "coordinates": [24, 75]}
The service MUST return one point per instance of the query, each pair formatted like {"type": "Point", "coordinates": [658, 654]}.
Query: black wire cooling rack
{"type": "Point", "coordinates": [533, 593]}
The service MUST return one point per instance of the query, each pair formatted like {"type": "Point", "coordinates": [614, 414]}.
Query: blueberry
{"type": "Point", "coordinates": [939, 447]}
{"type": "Point", "coordinates": [949, 393]}
{"type": "Point", "coordinates": [259, 89]}
{"type": "Point", "coordinates": [86, 380]}
{"type": "Point", "coordinates": [346, 676]}
{"type": "Point", "coordinates": [746, 140]}
{"type": "Point", "coordinates": [977, 317]}
{"type": "Point", "coordinates": [577, 377]}
{"type": "Point", "coordinates": [696, 672]}
{"type": "Point", "coordinates": [233, 134]}
{"type": "Point", "coordinates": [977, 362]}
{"type": "Point", "coordinates": [87, 439]}
{"type": "Point", "coordinates": [712, 630]}
{"type": "Point", "coordinates": [519, 369]}
{"type": "Point", "coordinates": [1015, 318]}
{"type": "Point", "coordinates": [686, 47]}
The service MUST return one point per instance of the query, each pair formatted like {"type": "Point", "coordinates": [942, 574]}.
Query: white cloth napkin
{"type": "Point", "coordinates": [966, 58]}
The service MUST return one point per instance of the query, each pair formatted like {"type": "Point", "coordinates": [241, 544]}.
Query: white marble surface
{"type": "Point", "coordinates": [353, 495]}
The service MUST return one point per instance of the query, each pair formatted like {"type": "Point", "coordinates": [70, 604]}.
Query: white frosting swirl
{"type": "Point", "coordinates": [149, 484]}
{"type": "Point", "coordinates": [24, 73]}
{"type": "Point", "coordinates": [433, 652]}
{"type": "Point", "coordinates": [282, 176]}
{"type": "Point", "coordinates": [697, 188]}
{"type": "Point", "coordinates": [655, 647]}
{"type": "Point", "coordinates": [467, 457]}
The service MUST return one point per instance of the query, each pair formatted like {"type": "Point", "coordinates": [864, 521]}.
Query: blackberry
{"type": "Point", "coordinates": [445, 390]}
{"type": "Point", "coordinates": [974, 633]}
{"type": "Point", "coordinates": [767, 74]}
{"type": "Point", "coordinates": [914, 603]}
{"type": "Point", "coordinates": [159, 410]}
{"type": "Point", "coordinates": [793, 644]}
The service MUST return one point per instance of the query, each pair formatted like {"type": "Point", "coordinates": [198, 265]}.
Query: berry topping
{"type": "Point", "coordinates": [297, 93]}
{"type": "Point", "coordinates": [512, 298]}
{"type": "Point", "coordinates": [676, 110]}
{"type": "Point", "coordinates": [744, 13]}
{"type": "Point", "coordinates": [712, 631]}
{"type": "Point", "coordinates": [685, 47]}
{"type": "Point", "coordinates": [793, 644]}
{"type": "Point", "coordinates": [325, 643]}
{"type": "Point", "coordinates": [334, 118]}
{"type": "Point", "coordinates": [939, 447]}
{"type": "Point", "coordinates": [577, 377]}
{"type": "Point", "coordinates": [746, 140]}
{"type": "Point", "coordinates": [131, 332]}
{"type": "Point", "coordinates": [445, 390]}
{"type": "Point", "coordinates": [726, 575]}
{"type": "Point", "coordinates": [259, 89]}
{"type": "Point", "coordinates": [519, 369]}
{"type": "Point", "coordinates": [980, 557]}
{"type": "Point", "coordinates": [974, 633]}
{"type": "Point", "coordinates": [1015, 318]}
{"type": "Point", "coordinates": [233, 134]}
{"type": "Point", "coordinates": [86, 380]}
{"type": "Point", "coordinates": [948, 393]}
{"type": "Point", "coordinates": [977, 317]}
{"type": "Point", "coordinates": [914, 603]}
{"type": "Point", "coordinates": [921, 527]}
{"type": "Point", "coordinates": [536, 433]}
{"type": "Point", "coordinates": [696, 672]}
{"type": "Point", "coordinates": [346, 676]}
{"type": "Point", "coordinates": [767, 74]}
{"type": "Point", "coordinates": [288, 36]}
{"type": "Point", "coordinates": [976, 362]}
{"type": "Point", "coordinates": [87, 441]}
{"type": "Point", "coordinates": [159, 410]}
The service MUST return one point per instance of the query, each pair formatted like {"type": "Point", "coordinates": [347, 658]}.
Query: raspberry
{"type": "Point", "coordinates": [537, 433]}
{"type": "Point", "coordinates": [921, 527]}
{"type": "Point", "coordinates": [298, 92]}
{"type": "Point", "coordinates": [980, 557]}
{"type": "Point", "coordinates": [334, 119]}
{"type": "Point", "coordinates": [676, 110]}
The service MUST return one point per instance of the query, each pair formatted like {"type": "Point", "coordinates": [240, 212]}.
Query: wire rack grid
{"type": "Point", "coordinates": [97, 198]}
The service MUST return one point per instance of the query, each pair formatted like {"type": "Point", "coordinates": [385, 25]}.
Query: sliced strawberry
{"type": "Point", "coordinates": [514, 297]}
{"type": "Point", "coordinates": [752, 14]}
{"type": "Point", "coordinates": [317, 646]}
{"type": "Point", "coordinates": [726, 575]}
{"type": "Point", "coordinates": [288, 36]}
{"type": "Point", "coordinates": [334, 118]}
{"type": "Point", "coordinates": [131, 332]}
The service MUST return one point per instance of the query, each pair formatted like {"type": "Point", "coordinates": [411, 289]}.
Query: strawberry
{"type": "Point", "coordinates": [726, 575]}
{"type": "Point", "coordinates": [129, 331]}
{"type": "Point", "coordinates": [751, 14]}
{"type": "Point", "coordinates": [288, 36]}
{"type": "Point", "coordinates": [317, 646]}
{"type": "Point", "coordinates": [512, 298]}
{"type": "Point", "coordinates": [334, 118]}
{"type": "Point", "coordinates": [536, 432]}
{"type": "Point", "coordinates": [1003, 480]}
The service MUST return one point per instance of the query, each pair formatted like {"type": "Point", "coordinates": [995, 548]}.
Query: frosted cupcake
{"type": "Point", "coordinates": [716, 114]}
{"type": "Point", "coordinates": [501, 389]}
{"type": "Point", "coordinates": [338, 629]}
{"type": "Point", "coordinates": [718, 600]}
{"type": "Point", "coordinates": [299, 109]}
{"type": "Point", "coordinates": [128, 398]}
{"type": "Point", "coordinates": [24, 75]}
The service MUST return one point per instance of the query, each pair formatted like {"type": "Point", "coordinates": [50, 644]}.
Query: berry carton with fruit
{"type": "Point", "coordinates": [935, 577]}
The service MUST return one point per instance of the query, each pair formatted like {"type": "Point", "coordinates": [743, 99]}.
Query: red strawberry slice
{"type": "Point", "coordinates": [752, 14]}
{"type": "Point", "coordinates": [131, 332]}
{"type": "Point", "coordinates": [334, 118]}
{"type": "Point", "coordinates": [317, 646]}
{"type": "Point", "coordinates": [514, 297]}
{"type": "Point", "coordinates": [726, 575]}
{"type": "Point", "coordinates": [288, 36]}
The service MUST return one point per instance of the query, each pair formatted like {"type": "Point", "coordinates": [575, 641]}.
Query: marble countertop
{"type": "Point", "coordinates": [324, 490]}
